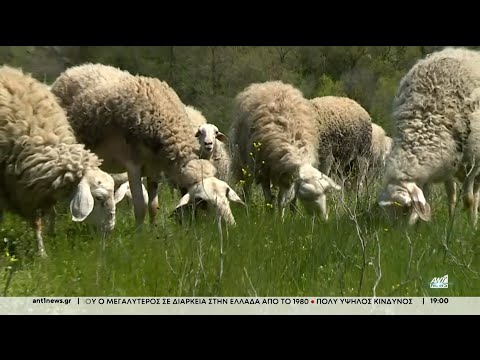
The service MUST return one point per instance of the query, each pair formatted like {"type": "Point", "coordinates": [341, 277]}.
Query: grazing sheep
{"type": "Point", "coordinates": [345, 136]}
{"type": "Point", "coordinates": [41, 162]}
{"type": "Point", "coordinates": [381, 147]}
{"type": "Point", "coordinates": [211, 149]}
{"type": "Point", "coordinates": [78, 78]}
{"type": "Point", "coordinates": [275, 136]}
{"type": "Point", "coordinates": [437, 139]}
{"type": "Point", "coordinates": [137, 124]}
{"type": "Point", "coordinates": [207, 189]}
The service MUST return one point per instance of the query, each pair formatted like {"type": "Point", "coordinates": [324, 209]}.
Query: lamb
{"type": "Point", "coordinates": [211, 149]}
{"type": "Point", "coordinates": [137, 124]}
{"type": "Point", "coordinates": [345, 136]}
{"type": "Point", "coordinates": [436, 112]}
{"type": "Point", "coordinates": [275, 136]}
{"type": "Point", "coordinates": [41, 161]}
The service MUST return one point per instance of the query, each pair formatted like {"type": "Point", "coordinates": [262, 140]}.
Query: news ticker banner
{"type": "Point", "coordinates": [240, 305]}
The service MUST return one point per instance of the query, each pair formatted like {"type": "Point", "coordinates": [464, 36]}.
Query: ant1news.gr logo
{"type": "Point", "coordinates": [439, 282]}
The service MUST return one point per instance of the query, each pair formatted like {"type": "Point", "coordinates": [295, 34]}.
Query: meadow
{"type": "Point", "coordinates": [359, 251]}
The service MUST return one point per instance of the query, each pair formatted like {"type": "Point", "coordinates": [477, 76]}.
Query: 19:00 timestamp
{"type": "Point", "coordinates": [435, 300]}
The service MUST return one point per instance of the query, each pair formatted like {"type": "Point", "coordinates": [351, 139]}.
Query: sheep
{"type": "Point", "coordinates": [211, 149]}
{"type": "Point", "coordinates": [206, 188]}
{"type": "Point", "coordinates": [275, 136]}
{"type": "Point", "coordinates": [138, 124]}
{"type": "Point", "coordinates": [41, 161]}
{"type": "Point", "coordinates": [195, 116]}
{"type": "Point", "coordinates": [381, 146]}
{"type": "Point", "coordinates": [78, 78]}
{"type": "Point", "coordinates": [345, 136]}
{"type": "Point", "coordinates": [436, 114]}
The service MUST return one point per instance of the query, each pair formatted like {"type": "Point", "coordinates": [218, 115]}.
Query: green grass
{"type": "Point", "coordinates": [357, 250]}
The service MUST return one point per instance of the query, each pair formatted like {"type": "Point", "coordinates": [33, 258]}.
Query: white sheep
{"type": "Point", "coordinates": [345, 137]}
{"type": "Point", "coordinates": [437, 138]}
{"type": "Point", "coordinates": [137, 124]}
{"type": "Point", "coordinates": [41, 162]}
{"type": "Point", "coordinates": [211, 190]}
{"type": "Point", "coordinates": [381, 146]}
{"type": "Point", "coordinates": [213, 143]}
{"type": "Point", "coordinates": [195, 116]}
{"type": "Point", "coordinates": [275, 137]}
{"type": "Point", "coordinates": [78, 78]}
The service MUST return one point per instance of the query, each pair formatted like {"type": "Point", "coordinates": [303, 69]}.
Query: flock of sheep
{"type": "Point", "coordinates": [94, 136]}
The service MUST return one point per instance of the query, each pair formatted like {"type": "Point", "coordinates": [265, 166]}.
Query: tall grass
{"type": "Point", "coordinates": [358, 252]}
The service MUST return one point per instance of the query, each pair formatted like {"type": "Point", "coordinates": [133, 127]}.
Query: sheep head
{"type": "Point", "coordinates": [311, 187]}
{"type": "Point", "coordinates": [216, 193]}
{"type": "Point", "coordinates": [94, 199]}
{"type": "Point", "coordinates": [207, 135]}
{"type": "Point", "coordinates": [408, 196]}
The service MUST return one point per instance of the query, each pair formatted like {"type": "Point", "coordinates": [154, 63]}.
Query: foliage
{"type": "Point", "coordinates": [209, 77]}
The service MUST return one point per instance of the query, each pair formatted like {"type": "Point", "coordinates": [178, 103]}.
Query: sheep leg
{"type": "Point", "coordinates": [325, 164]}
{"type": "Point", "coordinates": [135, 181]}
{"type": "Point", "coordinates": [267, 192]}
{"type": "Point", "coordinates": [152, 189]}
{"type": "Point", "coordinates": [323, 207]}
{"type": "Point", "coordinates": [361, 177]}
{"type": "Point", "coordinates": [285, 196]}
{"type": "Point", "coordinates": [37, 228]}
{"type": "Point", "coordinates": [469, 200]}
{"type": "Point", "coordinates": [50, 216]}
{"type": "Point", "coordinates": [476, 194]}
{"type": "Point", "coordinates": [451, 190]}
{"type": "Point", "coordinates": [293, 205]}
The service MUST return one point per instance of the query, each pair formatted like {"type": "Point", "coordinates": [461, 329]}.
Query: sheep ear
{"type": "Point", "coordinates": [185, 200]}
{"type": "Point", "coordinates": [222, 137]}
{"type": "Point", "coordinates": [233, 196]}
{"type": "Point", "coordinates": [328, 183]}
{"type": "Point", "coordinates": [423, 210]}
{"type": "Point", "coordinates": [121, 192]}
{"type": "Point", "coordinates": [82, 203]}
{"type": "Point", "coordinates": [419, 202]}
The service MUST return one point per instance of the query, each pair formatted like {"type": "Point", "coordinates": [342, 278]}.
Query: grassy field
{"type": "Point", "coordinates": [358, 252]}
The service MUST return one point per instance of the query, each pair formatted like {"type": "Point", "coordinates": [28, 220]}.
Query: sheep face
{"type": "Point", "coordinates": [94, 200]}
{"type": "Point", "coordinates": [215, 192]}
{"type": "Point", "coordinates": [311, 188]}
{"type": "Point", "coordinates": [207, 135]}
{"type": "Point", "coordinates": [408, 198]}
